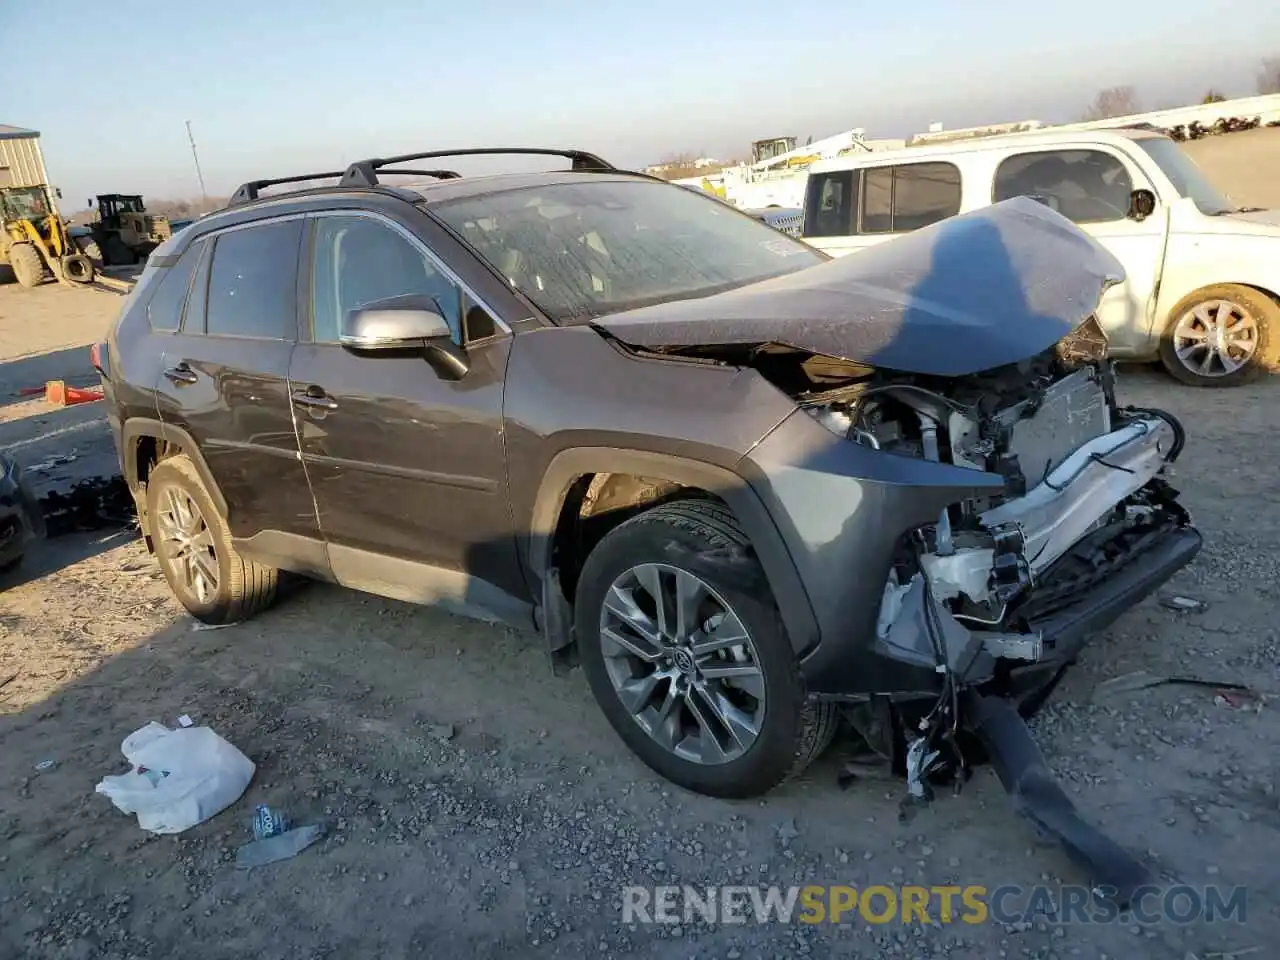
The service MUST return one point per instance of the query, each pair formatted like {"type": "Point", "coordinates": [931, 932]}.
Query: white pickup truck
{"type": "Point", "coordinates": [1202, 292]}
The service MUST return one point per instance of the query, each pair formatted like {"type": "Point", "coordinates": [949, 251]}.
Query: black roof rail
{"type": "Point", "coordinates": [248, 192]}
{"type": "Point", "coordinates": [364, 173]}
{"type": "Point", "coordinates": [438, 174]}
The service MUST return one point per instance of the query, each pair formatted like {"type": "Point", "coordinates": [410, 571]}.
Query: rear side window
{"type": "Point", "coordinates": [1085, 186]}
{"type": "Point", "coordinates": [253, 282]}
{"type": "Point", "coordinates": [909, 196]}
{"type": "Point", "coordinates": [894, 199]}
{"type": "Point", "coordinates": [831, 204]}
{"type": "Point", "coordinates": [164, 310]}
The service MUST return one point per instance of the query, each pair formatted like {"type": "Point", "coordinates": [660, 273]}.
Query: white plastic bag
{"type": "Point", "coordinates": [179, 777]}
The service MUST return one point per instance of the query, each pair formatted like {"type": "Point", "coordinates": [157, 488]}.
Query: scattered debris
{"type": "Point", "coordinates": [46, 465]}
{"type": "Point", "coordinates": [1238, 699]}
{"type": "Point", "coordinates": [179, 778]}
{"type": "Point", "coordinates": [44, 765]}
{"type": "Point", "coordinates": [1183, 604]}
{"type": "Point", "coordinates": [1142, 680]}
{"type": "Point", "coordinates": [282, 846]}
{"type": "Point", "coordinates": [442, 731]}
{"type": "Point", "coordinates": [268, 821]}
{"type": "Point", "coordinates": [9, 679]}
{"type": "Point", "coordinates": [200, 626]}
{"type": "Point", "coordinates": [90, 504]}
{"type": "Point", "coordinates": [184, 721]}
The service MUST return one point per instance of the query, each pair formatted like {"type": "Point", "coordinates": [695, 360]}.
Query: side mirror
{"type": "Point", "coordinates": [409, 324]}
{"type": "Point", "coordinates": [1142, 204]}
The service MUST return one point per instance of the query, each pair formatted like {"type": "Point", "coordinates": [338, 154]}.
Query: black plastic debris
{"type": "Point", "coordinates": [1114, 874]}
{"type": "Point", "coordinates": [91, 504]}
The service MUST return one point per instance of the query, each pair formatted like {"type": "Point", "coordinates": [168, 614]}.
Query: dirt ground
{"type": "Point", "coordinates": [477, 806]}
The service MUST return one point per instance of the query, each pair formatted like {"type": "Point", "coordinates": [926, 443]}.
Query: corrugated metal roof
{"type": "Point", "coordinates": [15, 133]}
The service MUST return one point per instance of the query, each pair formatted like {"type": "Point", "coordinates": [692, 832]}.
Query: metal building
{"type": "Point", "coordinates": [21, 163]}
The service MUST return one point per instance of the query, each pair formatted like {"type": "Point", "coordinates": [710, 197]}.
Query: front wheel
{"type": "Point", "coordinates": [1219, 336]}
{"type": "Point", "coordinates": [687, 655]}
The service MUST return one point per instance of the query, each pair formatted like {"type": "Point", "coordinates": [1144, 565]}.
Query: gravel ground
{"type": "Point", "coordinates": [476, 806]}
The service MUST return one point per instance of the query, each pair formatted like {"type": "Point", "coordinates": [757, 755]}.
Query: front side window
{"type": "Point", "coordinates": [164, 310]}
{"type": "Point", "coordinates": [359, 261]}
{"type": "Point", "coordinates": [253, 281]}
{"type": "Point", "coordinates": [584, 249]}
{"type": "Point", "coordinates": [1085, 186]}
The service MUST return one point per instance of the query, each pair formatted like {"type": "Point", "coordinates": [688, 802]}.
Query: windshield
{"type": "Point", "coordinates": [1188, 179]}
{"type": "Point", "coordinates": [582, 250]}
{"type": "Point", "coordinates": [25, 203]}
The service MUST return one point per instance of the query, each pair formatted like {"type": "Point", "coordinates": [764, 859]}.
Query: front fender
{"type": "Point", "coordinates": [1194, 262]}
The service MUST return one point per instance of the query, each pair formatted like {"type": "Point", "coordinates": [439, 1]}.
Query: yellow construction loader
{"type": "Point", "coordinates": [34, 240]}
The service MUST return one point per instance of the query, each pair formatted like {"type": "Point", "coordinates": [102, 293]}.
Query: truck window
{"type": "Point", "coordinates": [894, 199]}
{"type": "Point", "coordinates": [1085, 186]}
{"type": "Point", "coordinates": [831, 204]}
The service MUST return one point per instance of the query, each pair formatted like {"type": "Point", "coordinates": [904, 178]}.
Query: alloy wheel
{"type": "Point", "coordinates": [1215, 338]}
{"type": "Point", "coordinates": [186, 544]}
{"type": "Point", "coordinates": [682, 663]}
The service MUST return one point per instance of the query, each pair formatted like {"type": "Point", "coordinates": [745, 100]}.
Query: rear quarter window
{"type": "Point", "coordinates": [164, 309]}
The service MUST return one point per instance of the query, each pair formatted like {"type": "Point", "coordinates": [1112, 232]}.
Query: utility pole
{"type": "Point", "coordinates": [195, 156]}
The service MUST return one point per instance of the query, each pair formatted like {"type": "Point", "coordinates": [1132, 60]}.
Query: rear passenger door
{"type": "Point", "coordinates": [850, 210]}
{"type": "Point", "coordinates": [225, 381]}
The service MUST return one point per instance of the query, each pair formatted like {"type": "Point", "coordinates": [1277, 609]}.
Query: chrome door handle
{"type": "Point", "coordinates": [311, 400]}
{"type": "Point", "coordinates": [181, 374]}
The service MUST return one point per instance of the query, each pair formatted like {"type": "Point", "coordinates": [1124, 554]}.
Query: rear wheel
{"type": "Point", "coordinates": [27, 264]}
{"type": "Point", "coordinates": [687, 655]}
{"type": "Point", "coordinates": [193, 545]}
{"type": "Point", "coordinates": [1219, 336]}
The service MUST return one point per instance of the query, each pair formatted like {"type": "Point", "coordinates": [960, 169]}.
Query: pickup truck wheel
{"type": "Point", "coordinates": [687, 655]}
{"type": "Point", "coordinates": [193, 545]}
{"type": "Point", "coordinates": [1219, 336]}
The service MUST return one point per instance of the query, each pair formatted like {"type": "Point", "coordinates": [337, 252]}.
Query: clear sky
{"type": "Point", "coordinates": [274, 87]}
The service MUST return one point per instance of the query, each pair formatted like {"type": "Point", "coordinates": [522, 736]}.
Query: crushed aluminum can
{"type": "Point", "coordinates": [268, 822]}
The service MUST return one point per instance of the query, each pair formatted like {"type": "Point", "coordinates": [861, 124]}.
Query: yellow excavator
{"type": "Point", "coordinates": [35, 241]}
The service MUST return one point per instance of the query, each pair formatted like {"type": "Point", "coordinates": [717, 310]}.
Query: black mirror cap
{"type": "Point", "coordinates": [1142, 204]}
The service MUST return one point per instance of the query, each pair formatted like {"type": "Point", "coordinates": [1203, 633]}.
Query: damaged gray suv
{"type": "Point", "coordinates": [749, 488]}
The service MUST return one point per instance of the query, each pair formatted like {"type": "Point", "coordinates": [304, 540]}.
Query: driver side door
{"type": "Point", "coordinates": [1091, 187]}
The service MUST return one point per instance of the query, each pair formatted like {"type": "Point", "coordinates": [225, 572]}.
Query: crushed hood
{"type": "Point", "coordinates": [969, 293]}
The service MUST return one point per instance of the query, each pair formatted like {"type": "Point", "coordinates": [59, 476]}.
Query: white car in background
{"type": "Point", "coordinates": [1202, 292]}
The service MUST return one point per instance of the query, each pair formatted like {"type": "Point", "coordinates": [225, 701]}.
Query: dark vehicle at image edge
{"type": "Point", "coordinates": [751, 489]}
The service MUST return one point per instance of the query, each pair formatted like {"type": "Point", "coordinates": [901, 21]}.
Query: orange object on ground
{"type": "Point", "coordinates": [60, 395]}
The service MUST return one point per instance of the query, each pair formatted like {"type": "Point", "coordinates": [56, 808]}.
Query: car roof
{"type": "Point", "coordinates": [464, 188]}
{"type": "Point", "coordinates": [1003, 141]}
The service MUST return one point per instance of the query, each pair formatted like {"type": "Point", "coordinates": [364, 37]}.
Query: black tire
{"type": "Point", "coordinates": [708, 541]}
{"type": "Point", "coordinates": [117, 251]}
{"type": "Point", "coordinates": [27, 264]}
{"type": "Point", "coordinates": [77, 268]}
{"type": "Point", "coordinates": [244, 588]}
{"type": "Point", "coordinates": [1265, 314]}
{"type": "Point", "coordinates": [89, 247]}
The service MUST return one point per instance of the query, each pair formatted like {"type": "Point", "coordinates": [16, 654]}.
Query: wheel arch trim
{"type": "Point", "coordinates": [569, 465]}
{"type": "Point", "coordinates": [138, 428]}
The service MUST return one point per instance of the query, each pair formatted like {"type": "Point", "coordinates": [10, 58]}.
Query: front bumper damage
{"type": "Point", "coordinates": [1099, 533]}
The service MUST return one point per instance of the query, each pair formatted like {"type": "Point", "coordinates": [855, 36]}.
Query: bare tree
{"type": "Point", "coordinates": [1269, 76]}
{"type": "Point", "coordinates": [1214, 96]}
{"type": "Point", "coordinates": [1113, 102]}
